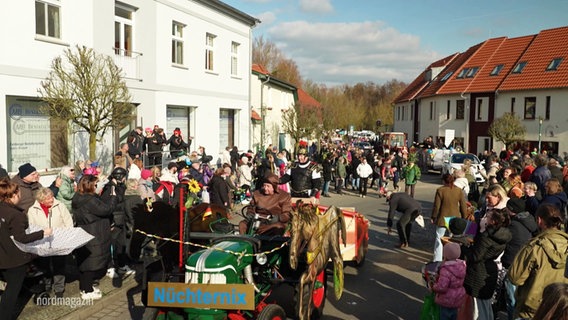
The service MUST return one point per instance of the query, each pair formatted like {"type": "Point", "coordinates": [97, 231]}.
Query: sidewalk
{"type": "Point", "coordinates": [113, 303]}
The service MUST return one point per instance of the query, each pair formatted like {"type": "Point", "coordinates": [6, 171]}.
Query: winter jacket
{"type": "Point", "coordinates": [14, 222]}
{"type": "Point", "coordinates": [364, 170]}
{"type": "Point", "coordinates": [481, 279]}
{"type": "Point", "coordinates": [559, 200]}
{"type": "Point", "coordinates": [539, 263]}
{"type": "Point", "coordinates": [66, 191]}
{"type": "Point", "coordinates": [340, 170]}
{"type": "Point", "coordinates": [523, 227]}
{"type": "Point", "coordinates": [245, 175]}
{"type": "Point", "coordinates": [60, 216]}
{"type": "Point", "coordinates": [449, 289]}
{"type": "Point", "coordinates": [27, 192]}
{"type": "Point", "coordinates": [448, 202]}
{"type": "Point", "coordinates": [93, 215]}
{"type": "Point", "coordinates": [539, 176]}
{"type": "Point", "coordinates": [411, 174]}
{"type": "Point", "coordinates": [219, 191]}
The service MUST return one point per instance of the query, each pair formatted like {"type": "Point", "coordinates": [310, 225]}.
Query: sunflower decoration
{"type": "Point", "coordinates": [194, 188]}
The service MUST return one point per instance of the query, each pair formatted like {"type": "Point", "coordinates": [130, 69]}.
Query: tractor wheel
{"type": "Point", "coordinates": [272, 312]}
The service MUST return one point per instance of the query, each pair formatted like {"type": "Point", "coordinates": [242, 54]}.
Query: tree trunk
{"type": "Point", "coordinates": [92, 146]}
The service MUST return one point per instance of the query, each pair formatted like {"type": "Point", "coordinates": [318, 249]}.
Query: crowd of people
{"type": "Point", "coordinates": [519, 246]}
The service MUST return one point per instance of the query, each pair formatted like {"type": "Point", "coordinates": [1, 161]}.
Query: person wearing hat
{"type": "Point", "coordinates": [135, 143]}
{"type": "Point", "coordinates": [304, 177]}
{"type": "Point", "coordinates": [27, 180]}
{"type": "Point", "coordinates": [269, 200]}
{"type": "Point", "coordinates": [523, 227]}
{"type": "Point", "coordinates": [449, 289]}
{"type": "Point", "coordinates": [410, 209]}
{"type": "Point", "coordinates": [177, 145]}
{"type": "Point", "coordinates": [153, 146]}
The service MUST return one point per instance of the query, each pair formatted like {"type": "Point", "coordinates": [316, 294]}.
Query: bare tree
{"type": "Point", "coordinates": [301, 122]}
{"type": "Point", "coordinates": [267, 54]}
{"type": "Point", "coordinates": [87, 89]}
{"type": "Point", "coordinates": [507, 129]}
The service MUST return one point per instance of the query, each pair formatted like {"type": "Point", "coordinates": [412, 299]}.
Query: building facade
{"type": "Point", "coordinates": [186, 63]}
{"type": "Point", "coordinates": [462, 94]}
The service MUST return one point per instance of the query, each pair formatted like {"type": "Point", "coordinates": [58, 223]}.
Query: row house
{"type": "Point", "coordinates": [462, 94]}
{"type": "Point", "coordinates": [187, 64]}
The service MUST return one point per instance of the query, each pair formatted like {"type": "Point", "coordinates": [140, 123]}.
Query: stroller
{"type": "Point", "coordinates": [36, 285]}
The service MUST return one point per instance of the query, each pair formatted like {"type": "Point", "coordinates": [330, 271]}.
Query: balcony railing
{"type": "Point", "coordinates": [129, 62]}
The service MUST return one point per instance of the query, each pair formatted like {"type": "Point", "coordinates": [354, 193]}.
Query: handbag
{"type": "Point", "coordinates": [430, 310]}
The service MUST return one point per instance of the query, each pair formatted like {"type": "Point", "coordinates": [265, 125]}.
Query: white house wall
{"type": "Point", "coordinates": [26, 61]}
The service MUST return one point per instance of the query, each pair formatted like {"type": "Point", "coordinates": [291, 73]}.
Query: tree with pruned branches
{"type": "Point", "coordinates": [87, 89]}
{"type": "Point", "coordinates": [507, 129]}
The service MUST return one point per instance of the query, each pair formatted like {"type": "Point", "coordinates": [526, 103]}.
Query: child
{"type": "Point", "coordinates": [450, 293]}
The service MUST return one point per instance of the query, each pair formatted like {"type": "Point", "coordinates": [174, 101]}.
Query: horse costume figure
{"type": "Point", "coordinates": [319, 235]}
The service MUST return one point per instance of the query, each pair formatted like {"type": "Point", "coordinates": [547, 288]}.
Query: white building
{"type": "Point", "coordinates": [186, 63]}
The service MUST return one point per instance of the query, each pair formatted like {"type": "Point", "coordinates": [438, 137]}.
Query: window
{"type": "Point", "coordinates": [496, 70]}
{"type": "Point", "coordinates": [447, 76]}
{"type": "Point", "coordinates": [530, 107]}
{"type": "Point", "coordinates": [519, 67]}
{"type": "Point", "coordinates": [177, 42]}
{"type": "Point", "coordinates": [462, 73]}
{"type": "Point", "coordinates": [471, 73]}
{"type": "Point", "coordinates": [553, 66]}
{"type": "Point", "coordinates": [448, 110]}
{"type": "Point", "coordinates": [547, 109]}
{"type": "Point", "coordinates": [209, 46]}
{"type": "Point", "coordinates": [48, 22]}
{"type": "Point", "coordinates": [460, 109]}
{"type": "Point", "coordinates": [235, 58]}
{"type": "Point", "coordinates": [479, 109]}
{"type": "Point", "coordinates": [432, 110]}
{"type": "Point", "coordinates": [123, 30]}
{"type": "Point", "coordinates": [513, 105]}
{"type": "Point", "coordinates": [227, 127]}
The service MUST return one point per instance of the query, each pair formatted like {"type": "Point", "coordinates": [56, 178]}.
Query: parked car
{"type": "Point", "coordinates": [455, 161]}
{"type": "Point", "coordinates": [364, 145]}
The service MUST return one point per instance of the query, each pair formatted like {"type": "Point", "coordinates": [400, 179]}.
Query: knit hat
{"type": "Point", "coordinates": [516, 205]}
{"type": "Point", "coordinates": [457, 226]}
{"type": "Point", "coordinates": [452, 251]}
{"type": "Point", "coordinates": [25, 170]}
{"type": "Point", "coordinates": [145, 174]}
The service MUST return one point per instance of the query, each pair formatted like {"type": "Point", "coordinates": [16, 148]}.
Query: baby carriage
{"type": "Point", "coordinates": [36, 286]}
{"type": "Point", "coordinates": [241, 196]}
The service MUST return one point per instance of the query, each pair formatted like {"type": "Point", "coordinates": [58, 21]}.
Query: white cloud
{"type": "Point", "coordinates": [316, 6]}
{"type": "Point", "coordinates": [266, 18]}
{"type": "Point", "coordinates": [348, 53]}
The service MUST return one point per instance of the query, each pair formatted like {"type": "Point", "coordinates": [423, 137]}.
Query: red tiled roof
{"type": "Point", "coordinates": [453, 67]}
{"type": "Point", "coordinates": [255, 116]}
{"type": "Point", "coordinates": [420, 82]}
{"type": "Point", "coordinates": [547, 45]}
{"type": "Point", "coordinates": [507, 55]}
{"type": "Point", "coordinates": [477, 59]}
{"type": "Point", "coordinates": [260, 69]}
{"type": "Point", "coordinates": [304, 99]}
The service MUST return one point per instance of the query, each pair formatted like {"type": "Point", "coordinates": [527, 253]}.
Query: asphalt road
{"type": "Point", "coordinates": [389, 285]}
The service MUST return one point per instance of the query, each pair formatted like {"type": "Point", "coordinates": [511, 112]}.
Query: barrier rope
{"type": "Point", "coordinates": [238, 254]}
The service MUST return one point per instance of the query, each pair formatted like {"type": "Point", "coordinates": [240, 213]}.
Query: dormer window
{"type": "Point", "coordinates": [553, 66]}
{"type": "Point", "coordinates": [496, 70]}
{"type": "Point", "coordinates": [447, 76]}
{"type": "Point", "coordinates": [519, 67]}
{"type": "Point", "coordinates": [471, 73]}
{"type": "Point", "coordinates": [462, 73]}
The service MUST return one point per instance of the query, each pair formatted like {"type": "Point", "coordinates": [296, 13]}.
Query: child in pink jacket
{"type": "Point", "coordinates": [450, 293]}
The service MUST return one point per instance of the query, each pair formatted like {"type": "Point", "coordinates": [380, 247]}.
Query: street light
{"type": "Point", "coordinates": [539, 132]}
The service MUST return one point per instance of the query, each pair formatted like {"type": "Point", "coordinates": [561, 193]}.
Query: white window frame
{"type": "Point", "coordinates": [47, 19]}
{"type": "Point", "coordinates": [123, 23]}
{"type": "Point", "coordinates": [235, 58]}
{"type": "Point", "coordinates": [210, 51]}
{"type": "Point", "coordinates": [177, 42]}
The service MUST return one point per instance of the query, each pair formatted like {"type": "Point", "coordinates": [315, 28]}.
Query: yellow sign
{"type": "Point", "coordinates": [214, 296]}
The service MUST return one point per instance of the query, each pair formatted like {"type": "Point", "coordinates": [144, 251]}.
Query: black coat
{"type": "Point", "coordinates": [94, 216]}
{"type": "Point", "coordinates": [523, 227]}
{"type": "Point", "coordinates": [219, 191]}
{"type": "Point", "coordinates": [481, 278]}
{"type": "Point", "coordinates": [14, 222]}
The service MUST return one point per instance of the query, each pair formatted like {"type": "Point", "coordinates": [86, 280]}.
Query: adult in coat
{"type": "Point", "coordinates": [47, 212]}
{"type": "Point", "coordinates": [219, 189]}
{"type": "Point", "coordinates": [410, 209]}
{"type": "Point", "coordinates": [482, 272]}
{"type": "Point", "coordinates": [13, 261]}
{"type": "Point", "coordinates": [67, 188]}
{"type": "Point", "coordinates": [94, 216]}
{"type": "Point", "coordinates": [448, 202]}
{"type": "Point", "coordinates": [540, 262]}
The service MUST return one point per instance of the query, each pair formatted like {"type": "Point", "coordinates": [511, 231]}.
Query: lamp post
{"type": "Point", "coordinates": [539, 132]}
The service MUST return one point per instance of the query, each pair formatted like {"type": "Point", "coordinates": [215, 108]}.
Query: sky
{"type": "Point", "coordinates": [336, 42]}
